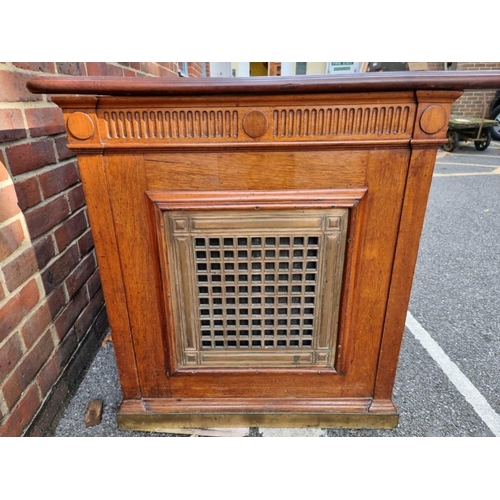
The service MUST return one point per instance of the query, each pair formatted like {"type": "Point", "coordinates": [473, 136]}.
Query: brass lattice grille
{"type": "Point", "coordinates": [256, 292]}
{"type": "Point", "coordinates": [256, 289]}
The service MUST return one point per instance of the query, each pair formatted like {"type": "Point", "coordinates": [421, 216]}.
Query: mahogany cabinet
{"type": "Point", "coordinates": [257, 237]}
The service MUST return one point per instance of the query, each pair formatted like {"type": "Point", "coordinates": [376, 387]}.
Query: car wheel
{"type": "Point", "coordinates": [495, 131]}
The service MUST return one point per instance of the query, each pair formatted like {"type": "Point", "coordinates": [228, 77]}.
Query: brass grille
{"type": "Point", "coordinates": [255, 289]}
{"type": "Point", "coordinates": [256, 292]}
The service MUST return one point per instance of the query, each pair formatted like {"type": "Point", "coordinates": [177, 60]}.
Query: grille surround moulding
{"type": "Point", "coordinates": [255, 289]}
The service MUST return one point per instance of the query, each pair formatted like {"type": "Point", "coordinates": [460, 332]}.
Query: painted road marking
{"type": "Point", "coordinates": [456, 376]}
{"type": "Point", "coordinates": [465, 164]}
{"type": "Point", "coordinates": [451, 155]}
{"type": "Point", "coordinates": [464, 174]}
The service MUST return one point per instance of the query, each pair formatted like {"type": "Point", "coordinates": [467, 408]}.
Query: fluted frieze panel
{"type": "Point", "coordinates": [333, 122]}
{"type": "Point", "coordinates": [171, 124]}
{"type": "Point", "coordinates": [321, 123]}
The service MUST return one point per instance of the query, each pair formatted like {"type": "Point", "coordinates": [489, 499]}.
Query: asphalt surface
{"type": "Point", "coordinates": [455, 302]}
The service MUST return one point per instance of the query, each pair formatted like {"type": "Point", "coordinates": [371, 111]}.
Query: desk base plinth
{"type": "Point", "coordinates": [160, 414]}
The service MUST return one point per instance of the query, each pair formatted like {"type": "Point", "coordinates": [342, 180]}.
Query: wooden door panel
{"type": "Point", "coordinates": [372, 214]}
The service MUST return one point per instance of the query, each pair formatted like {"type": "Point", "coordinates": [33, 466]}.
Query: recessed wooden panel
{"type": "Point", "coordinates": [249, 287]}
{"type": "Point", "coordinates": [255, 171]}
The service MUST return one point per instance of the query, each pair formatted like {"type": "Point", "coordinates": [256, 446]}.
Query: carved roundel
{"type": "Point", "coordinates": [255, 123]}
{"type": "Point", "coordinates": [80, 125]}
{"type": "Point", "coordinates": [433, 119]}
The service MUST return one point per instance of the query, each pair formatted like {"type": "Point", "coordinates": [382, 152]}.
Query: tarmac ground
{"type": "Point", "coordinates": [448, 379]}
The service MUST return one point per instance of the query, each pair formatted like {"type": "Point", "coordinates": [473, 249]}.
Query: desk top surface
{"type": "Point", "coordinates": [313, 84]}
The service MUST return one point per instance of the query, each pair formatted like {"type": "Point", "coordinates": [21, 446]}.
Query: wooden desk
{"type": "Point", "coordinates": [257, 238]}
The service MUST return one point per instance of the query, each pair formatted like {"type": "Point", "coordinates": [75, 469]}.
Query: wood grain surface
{"type": "Point", "coordinates": [312, 84]}
{"type": "Point", "coordinates": [195, 186]}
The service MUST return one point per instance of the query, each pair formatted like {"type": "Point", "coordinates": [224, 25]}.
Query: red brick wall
{"type": "Point", "coordinates": [274, 69]}
{"type": "Point", "coordinates": [52, 312]}
{"type": "Point", "coordinates": [195, 69]}
{"type": "Point", "coordinates": [435, 66]}
{"type": "Point", "coordinates": [474, 103]}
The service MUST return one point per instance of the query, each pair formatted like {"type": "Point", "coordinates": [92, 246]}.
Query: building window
{"type": "Point", "coordinates": [300, 68]}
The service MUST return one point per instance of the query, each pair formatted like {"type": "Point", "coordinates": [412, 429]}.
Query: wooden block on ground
{"type": "Point", "coordinates": [107, 339]}
{"type": "Point", "coordinates": [93, 414]}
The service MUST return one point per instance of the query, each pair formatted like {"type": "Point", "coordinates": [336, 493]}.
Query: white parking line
{"type": "Point", "coordinates": [465, 164]}
{"type": "Point", "coordinates": [468, 174]}
{"type": "Point", "coordinates": [451, 155]}
{"type": "Point", "coordinates": [456, 376]}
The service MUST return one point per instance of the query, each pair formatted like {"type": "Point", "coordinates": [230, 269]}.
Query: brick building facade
{"type": "Point", "coordinates": [473, 103]}
{"type": "Point", "coordinates": [52, 313]}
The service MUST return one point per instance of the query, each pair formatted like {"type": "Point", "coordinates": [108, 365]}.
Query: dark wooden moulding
{"type": "Point", "coordinates": [257, 237]}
